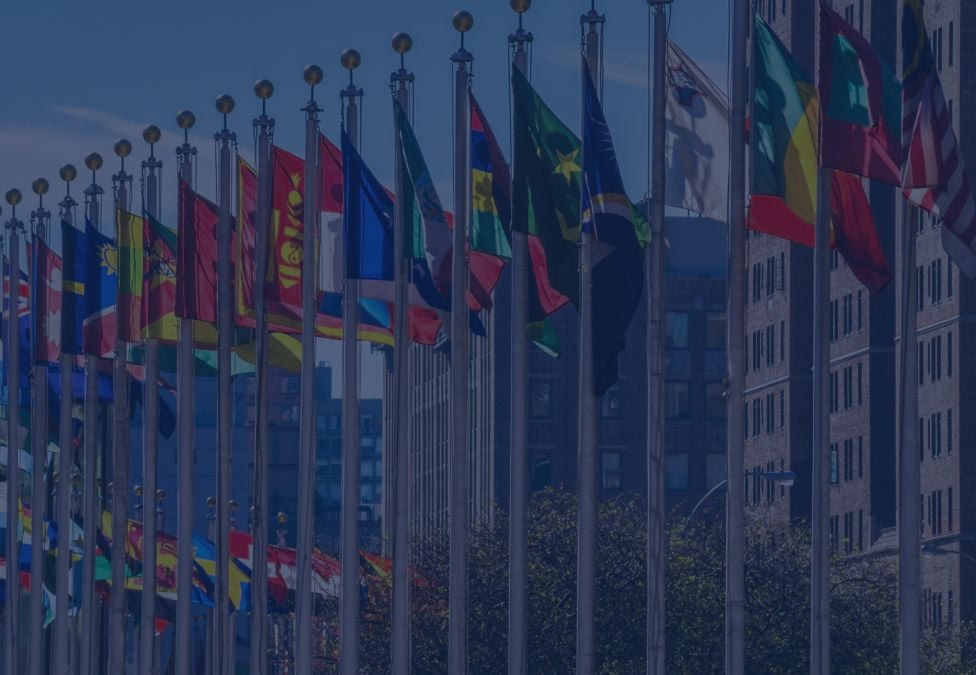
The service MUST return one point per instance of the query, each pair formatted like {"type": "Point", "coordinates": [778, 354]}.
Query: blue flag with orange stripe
{"type": "Point", "coordinates": [75, 248]}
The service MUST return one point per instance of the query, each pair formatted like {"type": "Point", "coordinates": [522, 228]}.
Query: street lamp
{"type": "Point", "coordinates": [784, 478]}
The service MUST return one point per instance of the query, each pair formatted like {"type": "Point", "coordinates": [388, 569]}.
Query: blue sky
{"type": "Point", "coordinates": [79, 75]}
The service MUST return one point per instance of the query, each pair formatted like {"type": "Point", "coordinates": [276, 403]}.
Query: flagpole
{"type": "Point", "coordinates": [39, 493]}
{"type": "Point", "coordinates": [588, 410]}
{"type": "Point", "coordinates": [90, 657]}
{"type": "Point", "coordinates": [401, 82]}
{"type": "Point", "coordinates": [909, 478]}
{"type": "Point", "coordinates": [656, 507]}
{"type": "Point", "coordinates": [457, 653]}
{"type": "Point", "coordinates": [518, 457]}
{"type": "Point", "coordinates": [259, 550]}
{"type": "Point", "coordinates": [349, 611]}
{"type": "Point", "coordinates": [306, 424]}
{"type": "Point", "coordinates": [66, 468]}
{"type": "Point", "coordinates": [735, 352]}
{"type": "Point", "coordinates": [12, 608]}
{"type": "Point", "coordinates": [150, 437]}
{"type": "Point", "coordinates": [225, 327]}
{"type": "Point", "coordinates": [184, 442]}
{"type": "Point", "coordinates": [118, 612]}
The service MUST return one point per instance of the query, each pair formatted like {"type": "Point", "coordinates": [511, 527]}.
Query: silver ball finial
{"type": "Point", "coordinates": [263, 89]}
{"type": "Point", "coordinates": [520, 6]}
{"type": "Point", "coordinates": [402, 43]}
{"type": "Point", "coordinates": [185, 119]}
{"type": "Point", "coordinates": [68, 173]}
{"type": "Point", "coordinates": [13, 197]}
{"type": "Point", "coordinates": [151, 134]}
{"type": "Point", "coordinates": [313, 75]}
{"type": "Point", "coordinates": [40, 186]}
{"type": "Point", "coordinates": [122, 148]}
{"type": "Point", "coordinates": [463, 21]}
{"type": "Point", "coordinates": [93, 161]}
{"type": "Point", "coordinates": [350, 59]}
{"type": "Point", "coordinates": [224, 104]}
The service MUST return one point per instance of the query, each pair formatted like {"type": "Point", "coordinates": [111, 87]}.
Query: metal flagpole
{"type": "Point", "coordinates": [39, 492]}
{"type": "Point", "coordinates": [306, 423]}
{"type": "Point", "coordinates": [518, 457]}
{"type": "Point", "coordinates": [225, 327]}
{"type": "Point", "coordinates": [184, 443]}
{"type": "Point", "coordinates": [586, 468]}
{"type": "Point", "coordinates": [457, 652]}
{"type": "Point", "coordinates": [349, 546]}
{"type": "Point", "coordinates": [150, 436]}
{"type": "Point", "coordinates": [66, 469]}
{"type": "Point", "coordinates": [259, 551]}
{"type": "Point", "coordinates": [909, 478]}
{"type": "Point", "coordinates": [735, 352]}
{"type": "Point", "coordinates": [12, 608]}
{"type": "Point", "coordinates": [401, 82]}
{"type": "Point", "coordinates": [90, 653]}
{"type": "Point", "coordinates": [118, 612]}
{"type": "Point", "coordinates": [656, 507]}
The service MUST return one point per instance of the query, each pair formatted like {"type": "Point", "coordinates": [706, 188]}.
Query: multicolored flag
{"type": "Point", "coordinates": [130, 232]}
{"type": "Point", "coordinates": [287, 242]}
{"type": "Point", "coordinates": [159, 282]}
{"type": "Point", "coordinates": [47, 304]}
{"type": "Point", "coordinates": [935, 176]}
{"type": "Point", "coordinates": [491, 190]}
{"type": "Point", "coordinates": [100, 326]}
{"type": "Point", "coordinates": [196, 257]}
{"type": "Point", "coordinates": [618, 265]}
{"type": "Point", "coordinates": [74, 253]}
{"type": "Point", "coordinates": [860, 100]}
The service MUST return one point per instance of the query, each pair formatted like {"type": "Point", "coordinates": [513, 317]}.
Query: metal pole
{"type": "Point", "coordinates": [589, 413]}
{"type": "Point", "coordinates": [259, 582]}
{"type": "Point", "coordinates": [184, 445]}
{"type": "Point", "coordinates": [225, 326]}
{"type": "Point", "coordinates": [66, 467]}
{"type": "Point", "coordinates": [349, 546]}
{"type": "Point", "coordinates": [91, 513]}
{"type": "Point", "coordinates": [12, 608]}
{"type": "Point", "coordinates": [150, 440]}
{"type": "Point", "coordinates": [39, 492]}
{"type": "Point", "coordinates": [656, 513]}
{"type": "Point", "coordinates": [457, 651]}
{"type": "Point", "coordinates": [118, 611]}
{"type": "Point", "coordinates": [400, 82]}
{"type": "Point", "coordinates": [518, 457]}
{"type": "Point", "coordinates": [306, 459]}
{"type": "Point", "coordinates": [909, 478]}
{"type": "Point", "coordinates": [735, 352]}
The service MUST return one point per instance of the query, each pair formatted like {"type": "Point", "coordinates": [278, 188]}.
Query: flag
{"type": "Point", "coordinates": [617, 263]}
{"type": "Point", "coordinates": [74, 252]}
{"type": "Point", "coordinates": [854, 233]}
{"type": "Point", "coordinates": [100, 326]}
{"type": "Point", "coordinates": [196, 257]}
{"type": "Point", "coordinates": [935, 176]}
{"type": "Point", "coordinates": [238, 579]}
{"type": "Point", "coordinates": [860, 101]}
{"type": "Point", "coordinates": [48, 299]}
{"type": "Point", "coordinates": [287, 243]}
{"type": "Point", "coordinates": [130, 231]}
{"type": "Point", "coordinates": [696, 146]}
{"type": "Point", "coordinates": [368, 221]}
{"type": "Point", "coordinates": [159, 282]}
{"type": "Point", "coordinates": [245, 252]}
{"type": "Point", "coordinates": [784, 142]}
{"type": "Point", "coordinates": [491, 190]}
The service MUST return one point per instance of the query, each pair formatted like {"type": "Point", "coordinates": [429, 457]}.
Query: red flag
{"type": "Point", "coordinates": [196, 257]}
{"type": "Point", "coordinates": [855, 232]}
{"type": "Point", "coordinates": [48, 305]}
{"type": "Point", "coordinates": [284, 281]}
{"type": "Point", "coordinates": [247, 206]}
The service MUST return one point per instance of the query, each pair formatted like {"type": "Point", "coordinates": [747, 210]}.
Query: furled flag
{"type": "Point", "coordinates": [854, 233]}
{"type": "Point", "coordinates": [47, 293]}
{"type": "Point", "coordinates": [196, 257]}
{"type": "Point", "coordinates": [491, 190]}
{"type": "Point", "coordinates": [618, 274]}
{"type": "Point", "coordinates": [860, 100]}
{"type": "Point", "coordinates": [100, 326]}
{"type": "Point", "coordinates": [696, 147]}
{"type": "Point", "coordinates": [23, 323]}
{"type": "Point", "coordinates": [935, 176]}
{"type": "Point", "coordinates": [74, 252]}
{"type": "Point", "coordinates": [130, 232]}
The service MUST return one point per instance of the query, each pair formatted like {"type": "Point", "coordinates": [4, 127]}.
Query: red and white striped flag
{"type": "Point", "coordinates": [934, 176]}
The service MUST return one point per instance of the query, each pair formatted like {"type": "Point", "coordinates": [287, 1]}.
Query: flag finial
{"type": "Point", "coordinates": [350, 60]}
{"type": "Point", "coordinates": [463, 21]}
{"type": "Point", "coordinates": [313, 75]}
{"type": "Point", "coordinates": [225, 106]}
{"type": "Point", "coordinates": [402, 43]}
{"type": "Point", "coordinates": [40, 187]}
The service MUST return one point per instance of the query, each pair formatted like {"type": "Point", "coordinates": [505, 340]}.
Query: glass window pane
{"type": "Point", "coordinates": [676, 400]}
{"type": "Point", "coordinates": [676, 330]}
{"type": "Point", "coordinates": [610, 471]}
{"type": "Point", "coordinates": [715, 330]}
{"type": "Point", "coordinates": [714, 470]}
{"type": "Point", "coordinates": [715, 401]}
{"type": "Point", "coordinates": [676, 471]}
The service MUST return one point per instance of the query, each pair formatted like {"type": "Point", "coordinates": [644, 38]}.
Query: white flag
{"type": "Point", "coordinates": [697, 139]}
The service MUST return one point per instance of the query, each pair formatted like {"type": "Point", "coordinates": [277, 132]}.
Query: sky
{"type": "Point", "coordinates": [80, 75]}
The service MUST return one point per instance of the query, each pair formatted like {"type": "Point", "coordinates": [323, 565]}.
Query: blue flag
{"type": "Point", "coordinates": [74, 252]}
{"type": "Point", "coordinates": [101, 287]}
{"type": "Point", "coordinates": [618, 274]}
{"type": "Point", "coordinates": [367, 219]}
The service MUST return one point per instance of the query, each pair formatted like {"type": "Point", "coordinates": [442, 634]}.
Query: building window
{"type": "Point", "coordinates": [848, 533]}
{"type": "Point", "coordinates": [952, 40]}
{"type": "Point", "coordinates": [848, 314]}
{"type": "Point", "coordinates": [540, 477]}
{"type": "Point", "coordinates": [541, 399]}
{"type": "Point", "coordinates": [610, 475]}
{"type": "Point", "coordinates": [949, 431]}
{"type": "Point", "coordinates": [848, 460]}
{"type": "Point", "coordinates": [860, 384]}
{"type": "Point", "coordinates": [833, 320]}
{"type": "Point", "coordinates": [949, 508]}
{"type": "Point", "coordinates": [676, 330]}
{"type": "Point", "coordinates": [715, 470]}
{"type": "Point", "coordinates": [834, 471]}
{"type": "Point", "coordinates": [676, 471]}
{"type": "Point", "coordinates": [860, 529]}
{"type": "Point", "coordinates": [782, 340]}
{"type": "Point", "coordinates": [676, 400]}
{"type": "Point", "coordinates": [921, 288]}
{"type": "Point", "coordinates": [860, 456]}
{"type": "Point", "coordinates": [770, 275]}
{"type": "Point", "coordinates": [611, 402]}
{"type": "Point", "coordinates": [714, 401]}
{"type": "Point", "coordinates": [860, 311]}
{"type": "Point", "coordinates": [949, 354]}
{"type": "Point", "coordinates": [935, 281]}
{"type": "Point", "coordinates": [834, 392]}
{"type": "Point", "coordinates": [770, 413]}
{"type": "Point", "coordinates": [921, 439]}
{"type": "Point", "coordinates": [834, 533]}
{"type": "Point", "coordinates": [782, 409]}
{"type": "Point", "coordinates": [770, 345]}
{"type": "Point", "coordinates": [921, 363]}
{"type": "Point", "coordinates": [948, 277]}
{"type": "Point", "coordinates": [715, 330]}
{"type": "Point", "coordinates": [848, 388]}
